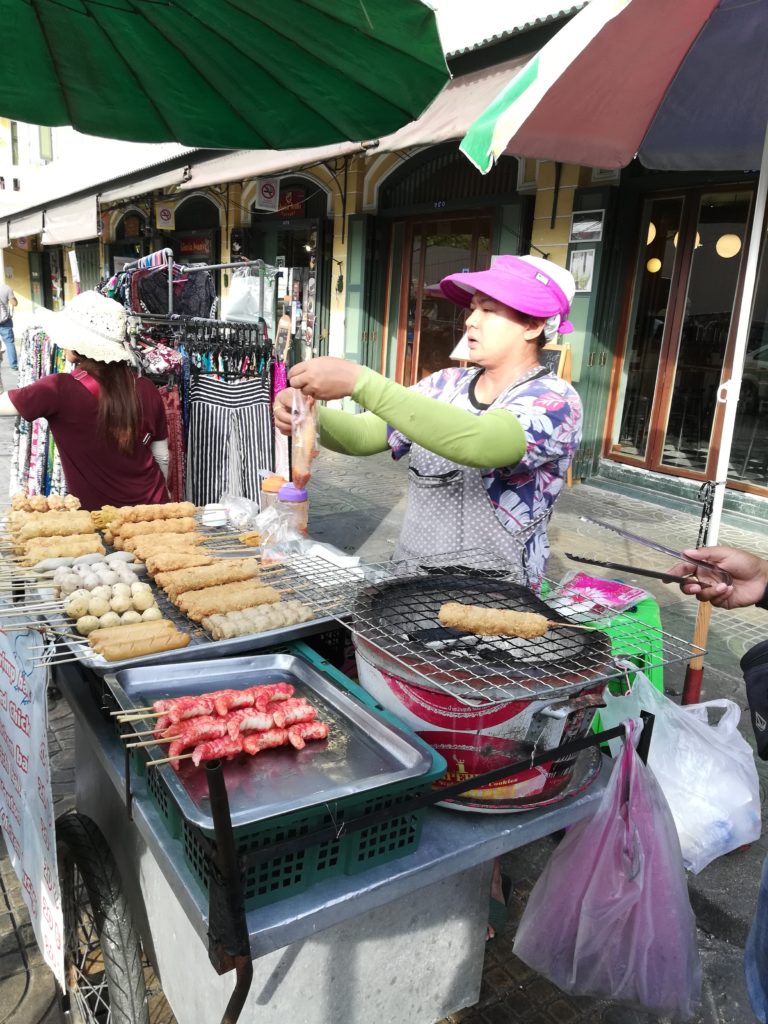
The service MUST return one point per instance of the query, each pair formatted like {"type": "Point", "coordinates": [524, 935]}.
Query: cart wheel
{"type": "Point", "coordinates": [102, 955]}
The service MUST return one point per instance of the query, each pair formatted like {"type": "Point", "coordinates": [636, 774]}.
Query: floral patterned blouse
{"type": "Point", "coordinates": [549, 411]}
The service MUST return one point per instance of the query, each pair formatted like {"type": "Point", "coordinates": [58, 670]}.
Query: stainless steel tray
{"type": "Point", "coordinates": [363, 752]}
{"type": "Point", "coordinates": [201, 645]}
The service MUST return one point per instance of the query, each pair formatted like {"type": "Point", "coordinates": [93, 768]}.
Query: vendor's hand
{"type": "Point", "coordinates": [282, 409]}
{"type": "Point", "coordinates": [749, 572]}
{"type": "Point", "coordinates": [325, 377]}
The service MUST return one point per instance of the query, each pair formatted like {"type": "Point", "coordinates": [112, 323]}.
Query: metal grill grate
{"type": "Point", "coordinates": [392, 609]}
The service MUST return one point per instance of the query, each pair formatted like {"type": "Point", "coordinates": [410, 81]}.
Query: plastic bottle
{"type": "Point", "coordinates": [293, 500]}
{"type": "Point", "coordinates": [270, 485]}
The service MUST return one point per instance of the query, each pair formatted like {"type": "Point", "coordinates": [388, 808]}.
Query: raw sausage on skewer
{"type": "Point", "coordinates": [197, 604]}
{"type": "Point", "coordinates": [225, 570]}
{"type": "Point", "coordinates": [170, 561]}
{"type": "Point", "coordinates": [155, 526]}
{"type": "Point", "coordinates": [149, 544]}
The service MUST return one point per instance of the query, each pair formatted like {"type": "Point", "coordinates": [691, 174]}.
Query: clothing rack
{"type": "Point", "coordinates": [164, 258]}
{"type": "Point", "coordinates": [159, 258]}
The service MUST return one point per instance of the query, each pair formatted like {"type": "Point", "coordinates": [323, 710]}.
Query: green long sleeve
{"type": "Point", "coordinates": [348, 434]}
{"type": "Point", "coordinates": [492, 439]}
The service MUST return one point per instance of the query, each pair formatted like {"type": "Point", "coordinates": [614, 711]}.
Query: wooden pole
{"type": "Point", "coordinates": [695, 670]}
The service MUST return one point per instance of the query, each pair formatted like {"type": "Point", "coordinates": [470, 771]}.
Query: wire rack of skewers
{"type": "Point", "coordinates": [472, 627]}
{"type": "Point", "coordinates": [171, 584]}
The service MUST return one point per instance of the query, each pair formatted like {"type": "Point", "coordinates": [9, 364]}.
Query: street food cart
{"type": "Point", "coordinates": [337, 882]}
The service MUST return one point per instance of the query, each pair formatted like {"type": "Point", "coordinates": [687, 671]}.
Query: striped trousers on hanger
{"type": "Point", "coordinates": [230, 438]}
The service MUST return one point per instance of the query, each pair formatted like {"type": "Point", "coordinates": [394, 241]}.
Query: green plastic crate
{"type": "Point", "coordinates": [348, 854]}
{"type": "Point", "coordinates": [636, 634]}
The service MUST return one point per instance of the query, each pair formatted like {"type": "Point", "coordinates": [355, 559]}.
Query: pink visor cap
{"type": "Point", "coordinates": [530, 285]}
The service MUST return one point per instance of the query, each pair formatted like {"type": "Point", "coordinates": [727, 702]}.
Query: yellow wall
{"type": "Point", "coordinates": [17, 261]}
{"type": "Point", "coordinates": [553, 239]}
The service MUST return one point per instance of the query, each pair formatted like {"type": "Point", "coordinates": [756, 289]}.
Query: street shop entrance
{"type": "Point", "coordinates": [430, 326]}
{"type": "Point", "coordinates": [678, 343]}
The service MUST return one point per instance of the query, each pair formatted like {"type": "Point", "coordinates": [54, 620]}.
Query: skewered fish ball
{"type": "Point", "coordinates": [98, 606]}
{"type": "Point", "coordinates": [109, 619]}
{"type": "Point", "coordinates": [86, 624]}
{"type": "Point", "coordinates": [142, 600]}
{"type": "Point", "coordinates": [77, 607]}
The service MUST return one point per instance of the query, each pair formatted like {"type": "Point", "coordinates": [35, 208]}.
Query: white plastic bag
{"type": "Point", "coordinates": [244, 300]}
{"type": "Point", "coordinates": [707, 772]}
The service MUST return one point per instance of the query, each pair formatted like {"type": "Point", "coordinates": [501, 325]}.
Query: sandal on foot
{"type": "Point", "coordinates": [498, 910]}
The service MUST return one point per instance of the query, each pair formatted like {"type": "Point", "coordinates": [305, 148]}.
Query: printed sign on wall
{"type": "Point", "coordinates": [267, 194]}
{"type": "Point", "coordinates": [165, 216]}
{"type": "Point", "coordinates": [26, 800]}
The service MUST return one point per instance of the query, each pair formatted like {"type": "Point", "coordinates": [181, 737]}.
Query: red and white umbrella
{"type": "Point", "coordinates": [679, 85]}
{"type": "Point", "coordinates": [682, 86]}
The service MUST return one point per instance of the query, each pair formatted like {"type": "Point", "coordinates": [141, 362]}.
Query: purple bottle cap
{"type": "Point", "coordinates": [290, 493]}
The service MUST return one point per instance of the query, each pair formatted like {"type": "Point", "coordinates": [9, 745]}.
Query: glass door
{"type": "Point", "coordinates": [686, 284]}
{"type": "Point", "coordinates": [433, 325]}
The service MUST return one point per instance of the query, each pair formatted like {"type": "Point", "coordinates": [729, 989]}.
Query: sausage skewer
{"type": "Point", "coordinates": [498, 621]}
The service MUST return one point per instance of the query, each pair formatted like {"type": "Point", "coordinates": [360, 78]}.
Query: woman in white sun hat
{"type": "Point", "coordinates": [489, 444]}
{"type": "Point", "coordinates": [108, 424]}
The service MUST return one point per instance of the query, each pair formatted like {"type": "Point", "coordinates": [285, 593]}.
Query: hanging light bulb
{"type": "Point", "coordinates": [653, 265]}
{"type": "Point", "coordinates": [728, 246]}
{"type": "Point", "coordinates": [696, 244]}
{"type": "Point", "coordinates": [651, 233]}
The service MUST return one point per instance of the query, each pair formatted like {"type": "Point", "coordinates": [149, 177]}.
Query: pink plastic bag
{"type": "Point", "coordinates": [610, 914]}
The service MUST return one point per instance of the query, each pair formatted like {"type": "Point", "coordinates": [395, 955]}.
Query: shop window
{"type": "Point", "coordinates": [196, 213]}
{"type": "Point", "coordinates": [132, 225]}
{"type": "Point", "coordinates": [45, 135]}
{"type": "Point", "coordinates": [14, 144]}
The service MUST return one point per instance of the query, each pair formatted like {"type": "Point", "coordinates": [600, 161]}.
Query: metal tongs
{"type": "Point", "coordinates": [666, 577]}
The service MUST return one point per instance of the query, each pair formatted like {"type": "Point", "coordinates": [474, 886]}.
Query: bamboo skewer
{"type": "Point", "coordinates": [151, 743]}
{"type": "Point", "coordinates": [167, 760]}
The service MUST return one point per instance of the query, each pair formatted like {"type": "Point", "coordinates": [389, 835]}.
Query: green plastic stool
{"type": "Point", "coordinates": [636, 635]}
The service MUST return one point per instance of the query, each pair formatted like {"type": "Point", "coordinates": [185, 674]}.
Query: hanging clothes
{"type": "Point", "coordinates": [35, 464]}
{"type": "Point", "coordinates": [230, 438]}
{"type": "Point", "coordinates": [176, 476]}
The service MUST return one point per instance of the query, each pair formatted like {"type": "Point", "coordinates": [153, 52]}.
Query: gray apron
{"type": "Point", "coordinates": [449, 510]}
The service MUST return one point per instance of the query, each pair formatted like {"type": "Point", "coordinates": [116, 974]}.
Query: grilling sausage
{"type": "Point", "coordinates": [492, 621]}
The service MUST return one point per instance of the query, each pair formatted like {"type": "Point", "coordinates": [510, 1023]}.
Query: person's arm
{"type": "Point", "coordinates": [749, 573]}
{"type": "Point", "coordinates": [13, 301]}
{"type": "Point", "coordinates": [494, 438]}
{"type": "Point", "coordinates": [350, 434]}
{"type": "Point", "coordinates": [161, 455]}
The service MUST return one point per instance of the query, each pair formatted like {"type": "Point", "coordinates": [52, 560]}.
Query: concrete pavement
{"type": "Point", "coordinates": [357, 505]}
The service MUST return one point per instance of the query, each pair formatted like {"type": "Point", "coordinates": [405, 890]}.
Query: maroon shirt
{"type": "Point", "coordinates": [95, 471]}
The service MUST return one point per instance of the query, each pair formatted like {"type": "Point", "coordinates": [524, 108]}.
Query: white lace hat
{"type": "Point", "coordinates": [93, 326]}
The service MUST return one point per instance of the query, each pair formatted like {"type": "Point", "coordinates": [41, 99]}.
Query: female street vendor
{"type": "Point", "coordinates": [489, 444]}
{"type": "Point", "coordinates": [108, 424]}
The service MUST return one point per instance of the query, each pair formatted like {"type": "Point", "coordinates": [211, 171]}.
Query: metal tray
{"type": "Point", "coordinates": [363, 753]}
{"type": "Point", "coordinates": [201, 646]}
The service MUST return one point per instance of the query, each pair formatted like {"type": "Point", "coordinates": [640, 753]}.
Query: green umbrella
{"type": "Point", "coordinates": [230, 74]}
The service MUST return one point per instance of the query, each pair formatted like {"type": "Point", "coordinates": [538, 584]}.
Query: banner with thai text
{"type": "Point", "coordinates": [26, 800]}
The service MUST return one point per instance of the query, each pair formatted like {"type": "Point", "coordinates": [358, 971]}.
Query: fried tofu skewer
{"type": "Point", "coordinates": [498, 621]}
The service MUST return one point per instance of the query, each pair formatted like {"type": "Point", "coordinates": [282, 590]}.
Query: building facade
{"type": "Point", "coordinates": [658, 260]}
